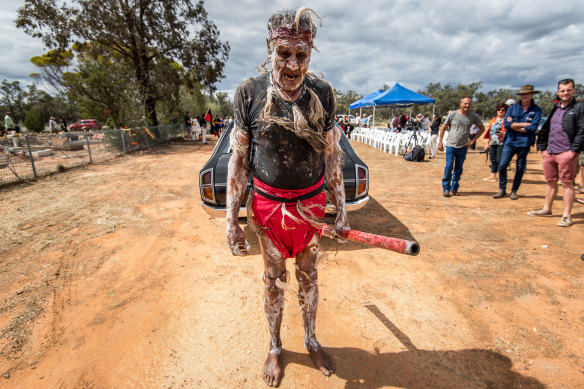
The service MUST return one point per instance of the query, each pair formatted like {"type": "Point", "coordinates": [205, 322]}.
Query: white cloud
{"type": "Point", "coordinates": [16, 47]}
{"type": "Point", "coordinates": [364, 45]}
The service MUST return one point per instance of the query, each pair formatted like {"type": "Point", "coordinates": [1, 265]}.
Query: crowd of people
{"type": "Point", "coordinates": [398, 123]}
{"type": "Point", "coordinates": [345, 123]}
{"type": "Point", "coordinates": [512, 133]}
{"type": "Point", "coordinates": [196, 129]}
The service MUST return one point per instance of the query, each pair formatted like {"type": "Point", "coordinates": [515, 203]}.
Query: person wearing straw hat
{"type": "Point", "coordinates": [521, 122]}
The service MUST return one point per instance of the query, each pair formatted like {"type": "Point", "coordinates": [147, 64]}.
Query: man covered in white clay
{"type": "Point", "coordinates": [285, 137]}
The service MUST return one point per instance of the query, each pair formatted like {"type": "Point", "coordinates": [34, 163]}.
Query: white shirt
{"type": "Point", "coordinates": [425, 123]}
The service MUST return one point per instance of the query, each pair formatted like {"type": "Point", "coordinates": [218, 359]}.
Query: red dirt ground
{"type": "Point", "coordinates": [113, 276]}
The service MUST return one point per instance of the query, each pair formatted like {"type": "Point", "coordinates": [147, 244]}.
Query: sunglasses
{"type": "Point", "coordinates": [501, 109]}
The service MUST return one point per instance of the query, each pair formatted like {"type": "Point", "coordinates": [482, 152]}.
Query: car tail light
{"type": "Point", "coordinates": [362, 184]}
{"type": "Point", "coordinates": [206, 177]}
{"type": "Point", "coordinates": [206, 184]}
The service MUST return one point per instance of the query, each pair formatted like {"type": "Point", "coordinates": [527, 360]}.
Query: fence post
{"type": "Point", "coordinates": [30, 156]}
{"type": "Point", "coordinates": [123, 140]}
{"type": "Point", "coordinates": [88, 147]}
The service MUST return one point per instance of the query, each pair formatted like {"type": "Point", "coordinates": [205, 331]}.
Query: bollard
{"type": "Point", "coordinates": [88, 147]}
{"type": "Point", "coordinates": [30, 156]}
{"type": "Point", "coordinates": [123, 140]}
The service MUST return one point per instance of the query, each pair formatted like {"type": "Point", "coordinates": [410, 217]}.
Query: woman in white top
{"type": "Point", "coordinates": [197, 129]}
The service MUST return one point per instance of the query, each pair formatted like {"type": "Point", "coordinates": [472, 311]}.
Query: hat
{"type": "Point", "coordinates": [527, 89]}
{"type": "Point", "coordinates": [509, 102]}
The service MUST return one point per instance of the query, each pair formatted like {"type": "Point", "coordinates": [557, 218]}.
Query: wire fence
{"type": "Point", "coordinates": [33, 156]}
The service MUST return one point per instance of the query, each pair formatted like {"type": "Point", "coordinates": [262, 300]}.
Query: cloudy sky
{"type": "Point", "coordinates": [364, 45]}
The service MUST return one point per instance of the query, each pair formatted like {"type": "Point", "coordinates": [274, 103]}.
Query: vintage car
{"type": "Point", "coordinates": [213, 179]}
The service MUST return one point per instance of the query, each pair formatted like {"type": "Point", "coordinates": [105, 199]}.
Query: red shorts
{"type": "Point", "coordinates": [559, 167]}
{"type": "Point", "coordinates": [289, 236]}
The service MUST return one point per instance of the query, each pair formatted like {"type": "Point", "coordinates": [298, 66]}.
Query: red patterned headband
{"type": "Point", "coordinates": [285, 32]}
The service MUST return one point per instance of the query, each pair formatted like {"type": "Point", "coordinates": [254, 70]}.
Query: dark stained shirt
{"type": "Point", "coordinates": [436, 126]}
{"type": "Point", "coordinates": [278, 157]}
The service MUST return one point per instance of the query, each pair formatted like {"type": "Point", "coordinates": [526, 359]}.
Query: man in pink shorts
{"type": "Point", "coordinates": [561, 139]}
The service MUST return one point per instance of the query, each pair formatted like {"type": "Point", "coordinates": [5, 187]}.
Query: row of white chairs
{"type": "Point", "coordinates": [388, 140]}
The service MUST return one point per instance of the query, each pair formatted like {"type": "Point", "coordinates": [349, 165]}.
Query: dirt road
{"type": "Point", "coordinates": [112, 276]}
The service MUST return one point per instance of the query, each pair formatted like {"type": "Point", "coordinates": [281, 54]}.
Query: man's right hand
{"type": "Point", "coordinates": [236, 240]}
{"type": "Point", "coordinates": [440, 146]}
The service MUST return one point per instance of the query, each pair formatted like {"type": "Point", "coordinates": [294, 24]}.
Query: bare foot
{"type": "Point", "coordinates": [271, 371]}
{"type": "Point", "coordinates": [322, 361]}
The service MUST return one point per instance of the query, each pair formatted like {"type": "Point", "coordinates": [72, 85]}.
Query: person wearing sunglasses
{"type": "Point", "coordinates": [494, 135]}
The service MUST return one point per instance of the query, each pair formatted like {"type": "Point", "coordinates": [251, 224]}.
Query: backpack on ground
{"type": "Point", "coordinates": [416, 155]}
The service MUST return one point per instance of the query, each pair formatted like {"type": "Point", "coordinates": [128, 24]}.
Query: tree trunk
{"type": "Point", "coordinates": [151, 109]}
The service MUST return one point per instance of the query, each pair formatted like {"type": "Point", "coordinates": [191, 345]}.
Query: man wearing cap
{"type": "Point", "coordinates": [284, 135]}
{"type": "Point", "coordinates": [458, 124]}
{"type": "Point", "coordinates": [521, 121]}
{"type": "Point", "coordinates": [561, 139]}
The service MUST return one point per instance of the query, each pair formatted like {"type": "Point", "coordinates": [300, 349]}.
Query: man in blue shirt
{"type": "Point", "coordinates": [521, 121]}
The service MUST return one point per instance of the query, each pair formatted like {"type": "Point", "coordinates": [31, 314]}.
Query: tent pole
{"type": "Point", "coordinates": [373, 116]}
{"type": "Point", "coordinates": [433, 109]}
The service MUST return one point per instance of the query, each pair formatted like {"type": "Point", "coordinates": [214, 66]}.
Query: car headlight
{"type": "Point", "coordinates": [362, 184]}
{"type": "Point", "coordinates": [206, 184]}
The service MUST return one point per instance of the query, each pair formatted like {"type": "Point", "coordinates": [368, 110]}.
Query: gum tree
{"type": "Point", "coordinates": [145, 33]}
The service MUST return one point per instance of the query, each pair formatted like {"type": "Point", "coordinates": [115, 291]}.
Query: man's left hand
{"type": "Point", "coordinates": [341, 223]}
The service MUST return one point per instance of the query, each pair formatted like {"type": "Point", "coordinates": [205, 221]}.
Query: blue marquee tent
{"type": "Point", "coordinates": [365, 101]}
{"type": "Point", "coordinates": [397, 95]}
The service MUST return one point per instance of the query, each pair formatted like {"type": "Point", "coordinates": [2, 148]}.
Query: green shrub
{"type": "Point", "coordinates": [34, 121]}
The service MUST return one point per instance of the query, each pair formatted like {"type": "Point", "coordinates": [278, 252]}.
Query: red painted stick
{"type": "Point", "coordinates": [394, 244]}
